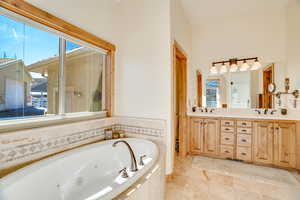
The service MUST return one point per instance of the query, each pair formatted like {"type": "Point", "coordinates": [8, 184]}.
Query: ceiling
{"type": "Point", "coordinates": [198, 11]}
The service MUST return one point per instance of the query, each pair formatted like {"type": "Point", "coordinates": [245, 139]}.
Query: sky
{"type": "Point", "coordinates": [21, 41]}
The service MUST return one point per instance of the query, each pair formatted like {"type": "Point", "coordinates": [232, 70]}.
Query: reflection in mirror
{"type": "Point", "coordinates": [243, 89]}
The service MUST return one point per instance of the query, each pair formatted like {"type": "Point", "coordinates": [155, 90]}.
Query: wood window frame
{"type": "Point", "coordinates": [40, 16]}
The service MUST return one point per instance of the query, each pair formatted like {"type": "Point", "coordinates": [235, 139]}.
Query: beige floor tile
{"type": "Point", "coordinates": [202, 178]}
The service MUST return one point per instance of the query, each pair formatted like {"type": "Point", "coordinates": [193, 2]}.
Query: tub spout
{"type": "Point", "coordinates": [133, 167]}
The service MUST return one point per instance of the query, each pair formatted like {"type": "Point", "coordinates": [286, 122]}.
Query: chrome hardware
{"type": "Point", "coordinates": [133, 166]}
{"type": "Point", "coordinates": [273, 111]}
{"type": "Point", "coordinates": [124, 173]}
{"type": "Point", "coordinates": [266, 111]}
{"type": "Point", "coordinates": [258, 111]}
{"type": "Point", "coordinates": [141, 160]}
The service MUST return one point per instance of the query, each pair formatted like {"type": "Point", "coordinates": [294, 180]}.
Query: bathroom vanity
{"type": "Point", "coordinates": [267, 141]}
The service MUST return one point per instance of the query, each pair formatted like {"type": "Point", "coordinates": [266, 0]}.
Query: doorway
{"type": "Point", "coordinates": [268, 77]}
{"type": "Point", "coordinates": [179, 100]}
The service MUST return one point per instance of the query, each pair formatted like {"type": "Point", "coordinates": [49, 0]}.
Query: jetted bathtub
{"type": "Point", "coordinates": [87, 173]}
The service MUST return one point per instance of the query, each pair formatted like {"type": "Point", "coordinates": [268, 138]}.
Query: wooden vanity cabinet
{"type": "Point", "coordinates": [196, 128]}
{"type": "Point", "coordinates": [211, 137]}
{"type": "Point", "coordinates": [275, 143]}
{"type": "Point", "coordinates": [271, 143]}
{"type": "Point", "coordinates": [285, 145]}
{"type": "Point", "coordinates": [263, 146]}
{"type": "Point", "coordinates": [205, 136]}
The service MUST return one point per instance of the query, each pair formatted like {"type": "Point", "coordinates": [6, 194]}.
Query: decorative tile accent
{"type": "Point", "coordinates": [139, 130]}
{"type": "Point", "coordinates": [23, 146]}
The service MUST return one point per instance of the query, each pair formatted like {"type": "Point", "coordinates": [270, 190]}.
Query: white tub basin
{"type": "Point", "coordinates": [86, 173]}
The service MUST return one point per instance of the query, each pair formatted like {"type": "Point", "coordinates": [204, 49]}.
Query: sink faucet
{"type": "Point", "coordinates": [258, 111]}
{"type": "Point", "coordinates": [133, 167]}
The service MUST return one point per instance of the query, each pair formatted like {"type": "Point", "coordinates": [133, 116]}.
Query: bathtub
{"type": "Point", "coordinates": [87, 173]}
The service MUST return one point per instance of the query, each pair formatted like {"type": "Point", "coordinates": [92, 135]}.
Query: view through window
{"type": "Point", "coordinates": [29, 73]}
{"type": "Point", "coordinates": [212, 93]}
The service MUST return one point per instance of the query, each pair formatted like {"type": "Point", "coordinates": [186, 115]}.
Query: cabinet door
{"type": "Point", "coordinates": [211, 137]}
{"type": "Point", "coordinates": [196, 140]}
{"type": "Point", "coordinates": [263, 142]}
{"type": "Point", "coordinates": [285, 145]}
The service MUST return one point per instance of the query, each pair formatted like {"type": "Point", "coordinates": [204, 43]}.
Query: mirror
{"type": "Point", "coordinates": [244, 89]}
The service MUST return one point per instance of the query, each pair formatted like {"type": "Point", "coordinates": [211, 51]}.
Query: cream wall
{"type": "Point", "coordinates": [293, 43]}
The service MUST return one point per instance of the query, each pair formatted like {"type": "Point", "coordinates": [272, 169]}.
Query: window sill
{"type": "Point", "coordinates": [50, 120]}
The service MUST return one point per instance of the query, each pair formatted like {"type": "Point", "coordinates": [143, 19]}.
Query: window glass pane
{"type": "Point", "coordinates": [27, 56]}
{"type": "Point", "coordinates": [212, 93]}
{"type": "Point", "coordinates": [84, 69]}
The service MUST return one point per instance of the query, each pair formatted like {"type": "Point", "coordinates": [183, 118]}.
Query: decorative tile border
{"type": "Point", "coordinates": [139, 130]}
{"type": "Point", "coordinates": [24, 146]}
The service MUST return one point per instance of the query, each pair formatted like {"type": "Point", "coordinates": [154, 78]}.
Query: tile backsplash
{"type": "Point", "coordinates": [31, 144]}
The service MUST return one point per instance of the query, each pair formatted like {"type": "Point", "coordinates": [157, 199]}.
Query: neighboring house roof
{"type": "Point", "coordinates": [10, 62]}
{"type": "Point", "coordinates": [81, 51]}
{"type": "Point", "coordinates": [3, 60]}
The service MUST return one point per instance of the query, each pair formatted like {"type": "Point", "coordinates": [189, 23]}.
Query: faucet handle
{"type": "Point", "coordinates": [141, 160]}
{"type": "Point", "coordinates": [124, 173]}
{"type": "Point", "coordinates": [273, 111]}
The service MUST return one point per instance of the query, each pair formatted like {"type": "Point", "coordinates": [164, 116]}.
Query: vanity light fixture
{"type": "Point", "coordinates": [245, 66]}
{"type": "Point", "coordinates": [234, 65]}
{"type": "Point", "coordinates": [256, 65]}
{"type": "Point", "coordinates": [213, 69]}
{"type": "Point", "coordinates": [223, 68]}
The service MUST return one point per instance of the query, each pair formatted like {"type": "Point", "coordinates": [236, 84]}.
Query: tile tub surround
{"type": "Point", "coordinates": [197, 177]}
{"type": "Point", "coordinates": [17, 148]}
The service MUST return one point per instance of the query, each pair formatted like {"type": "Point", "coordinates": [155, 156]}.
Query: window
{"type": "Point", "coordinates": [212, 93]}
{"type": "Point", "coordinates": [31, 68]}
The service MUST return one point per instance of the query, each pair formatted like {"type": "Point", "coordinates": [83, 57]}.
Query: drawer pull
{"type": "Point", "coordinates": [227, 151]}
{"type": "Point", "coordinates": [244, 130]}
{"type": "Point", "coordinates": [227, 129]}
{"type": "Point", "coordinates": [243, 140]}
{"type": "Point", "coordinates": [244, 154]}
{"type": "Point", "coordinates": [244, 124]}
{"type": "Point", "coordinates": [227, 138]}
{"type": "Point", "coordinates": [227, 123]}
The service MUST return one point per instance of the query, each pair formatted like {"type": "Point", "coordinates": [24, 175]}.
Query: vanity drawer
{"type": "Point", "coordinates": [227, 129]}
{"type": "Point", "coordinates": [227, 138]}
{"type": "Point", "coordinates": [244, 124]}
{"type": "Point", "coordinates": [244, 140]}
{"type": "Point", "coordinates": [244, 130]}
{"type": "Point", "coordinates": [227, 151]}
{"type": "Point", "coordinates": [244, 153]}
{"type": "Point", "coordinates": [227, 123]}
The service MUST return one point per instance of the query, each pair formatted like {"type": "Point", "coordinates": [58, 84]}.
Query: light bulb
{"type": "Point", "coordinates": [213, 70]}
{"type": "Point", "coordinates": [223, 68]}
{"type": "Point", "coordinates": [256, 65]}
{"type": "Point", "coordinates": [244, 67]}
{"type": "Point", "coordinates": [233, 68]}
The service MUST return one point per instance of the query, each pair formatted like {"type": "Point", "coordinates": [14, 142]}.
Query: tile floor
{"type": "Point", "coordinates": [201, 178]}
